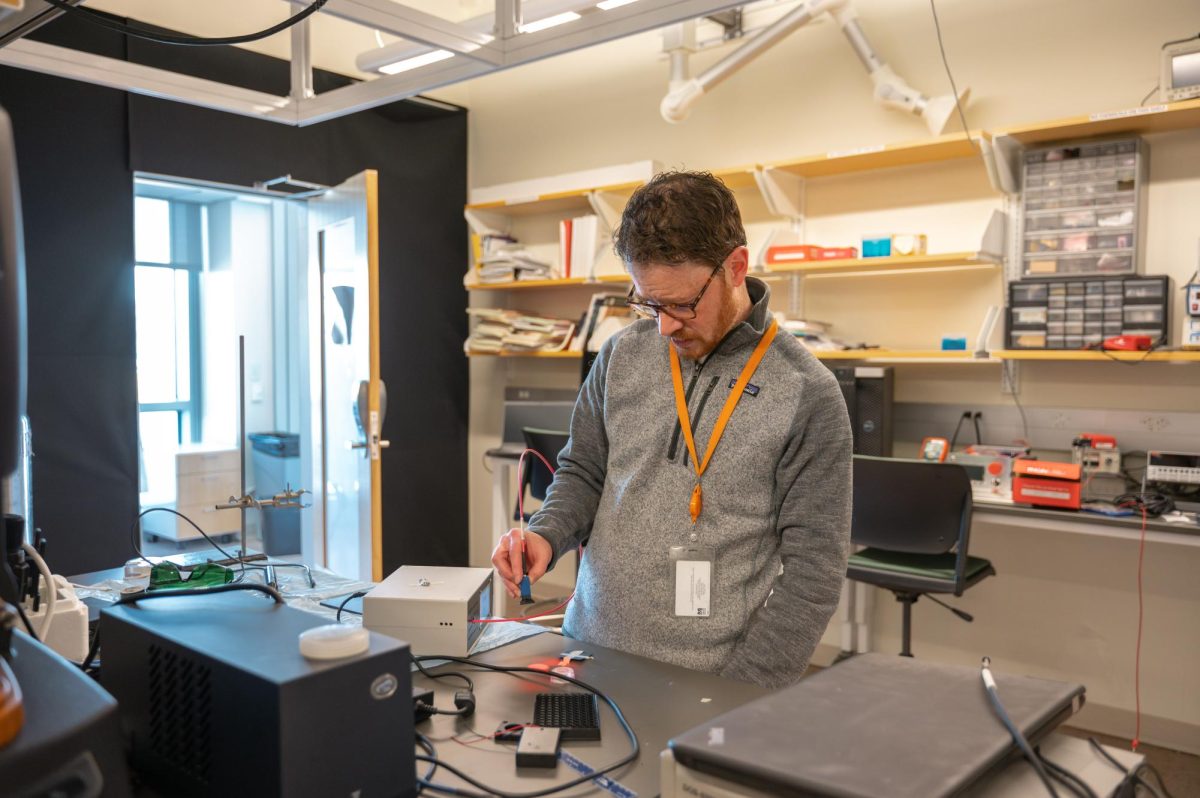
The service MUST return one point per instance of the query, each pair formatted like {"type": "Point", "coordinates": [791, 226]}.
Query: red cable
{"type": "Point", "coordinates": [521, 510]}
{"type": "Point", "coordinates": [1137, 652]}
{"type": "Point", "coordinates": [1137, 660]}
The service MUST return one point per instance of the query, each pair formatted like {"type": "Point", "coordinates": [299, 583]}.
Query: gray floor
{"type": "Point", "coordinates": [1180, 772]}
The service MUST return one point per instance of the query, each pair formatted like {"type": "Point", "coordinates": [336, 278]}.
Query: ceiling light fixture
{"type": "Point", "coordinates": [608, 4]}
{"type": "Point", "coordinates": [549, 22]}
{"type": "Point", "coordinates": [432, 57]}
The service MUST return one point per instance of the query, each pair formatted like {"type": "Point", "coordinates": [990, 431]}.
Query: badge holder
{"type": "Point", "coordinates": [693, 572]}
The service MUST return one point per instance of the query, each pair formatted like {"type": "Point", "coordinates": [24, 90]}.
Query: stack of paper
{"type": "Point", "coordinates": [498, 330]}
{"type": "Point", "coordinates": [513, 262]}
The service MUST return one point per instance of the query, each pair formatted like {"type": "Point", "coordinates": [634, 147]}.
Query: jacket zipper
{"type": "Point", "coordinates": [700, 410]}
{"type": "Point", "coordinates": [712, 384]}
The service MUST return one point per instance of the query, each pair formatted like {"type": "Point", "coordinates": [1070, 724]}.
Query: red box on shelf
{"type": "Point", "coordinates": [1043, 483]}
{"type": "Point", "coordinates": [839, 253]}
{"type": "Point", "coordinates": [790, 253]}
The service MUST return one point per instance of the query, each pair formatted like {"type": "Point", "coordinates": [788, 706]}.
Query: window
{"type": "Point", "coordinates": [169, 253]}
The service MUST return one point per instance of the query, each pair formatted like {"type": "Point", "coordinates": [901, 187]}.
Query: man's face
{"type": "Point", "coordinates": [666, 284]}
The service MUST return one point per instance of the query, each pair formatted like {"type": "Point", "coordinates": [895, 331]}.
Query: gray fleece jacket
{"type": "Point", "coordinates": [776, 493]}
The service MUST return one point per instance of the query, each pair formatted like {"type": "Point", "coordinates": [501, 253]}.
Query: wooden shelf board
{"type": "Point", "coordinates": [559, 201]}
{"type": "Point", "coordinates": [943, 148]}
{"type": "Point", "coordinates": [948, 260]}
{"type": "Point", "coordinates": [736, 177]}
{"type": "Point", "coordinates": [1149, 119]}
{"type": "Point", "coordinates": [607, 279]}
{"type": "Point", "coordinates": [563, 355]}
{"type": "Point", "coordinates": [1092, 355]}
{"type": "Point", "coordinates": [903, 356]}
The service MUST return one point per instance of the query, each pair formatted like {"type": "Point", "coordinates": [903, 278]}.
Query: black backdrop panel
{"type": "Point", "coordinates": [77, 199]}
{"type": "Point", "coordinates": [81, 286]}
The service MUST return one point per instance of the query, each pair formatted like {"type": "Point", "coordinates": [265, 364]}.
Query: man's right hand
{"type": "Point", "coordinates": [507, 558]}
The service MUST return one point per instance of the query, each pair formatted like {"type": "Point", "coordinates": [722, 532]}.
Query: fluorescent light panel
{"type": "Point", "coordinates": [415, 62]}
{"type": "Point", "coordinates": [607, 4]}
{"type": "Point", "coordinates": [549, 22]}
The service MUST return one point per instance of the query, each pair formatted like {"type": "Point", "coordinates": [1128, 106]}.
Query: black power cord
{"type": "Point", "coordinates": [133, 598]}
{"type": "Point", "coordinates": [435, 762]}
{"type": "Point", "coordinates": [148, 34]}
{"type": "Point", "coordinates": [989, 685]}
{"type": "Point", "coordinates": [347, 600]}
{"type": "Point", "coordinates": [1133, 774]}
{"type": "Point", "coordinates": [1065, 777]}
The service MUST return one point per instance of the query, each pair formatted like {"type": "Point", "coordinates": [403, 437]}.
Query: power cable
{"type": "Point", "coordinates": [937, 26]}
{"type": "Point", "coordinates": [989, 685]}
{"type": "Point", "coordinates": [433, 759]}
{"type": "Point", "coordinates": [140, 32]}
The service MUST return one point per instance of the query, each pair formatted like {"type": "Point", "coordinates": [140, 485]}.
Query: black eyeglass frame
{"type": "Point", "coordinates": [675, 310]}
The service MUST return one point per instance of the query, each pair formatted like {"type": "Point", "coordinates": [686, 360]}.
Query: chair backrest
{"type": "Point", "coordinates": [547, 443]}
{"type": "Point", "coordinates": [911, 506]}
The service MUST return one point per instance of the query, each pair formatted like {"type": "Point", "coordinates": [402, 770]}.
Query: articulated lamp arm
{"type": "Point", "coordinates": [891, 90]}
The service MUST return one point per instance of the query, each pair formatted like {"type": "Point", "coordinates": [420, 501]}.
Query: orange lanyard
{"type": "Point", "coordinates": [697, 502]}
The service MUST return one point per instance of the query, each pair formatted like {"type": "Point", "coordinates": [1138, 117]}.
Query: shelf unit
{"type": "Point", "coordinates": [604, 279]}
{"type": "Point", "coordinates": [563, 355]}
{"type": "Point", "coordinates": [1162, 118]}
{"type": "Point", "coordinates": [896, 263]}
{"type": "Point", "coordinates": [885, 156]}
{"type": "Point", "coordinates": [1171, 356]}
{"type": "Point", "coordinates": [781, 184]}
{"type": "Point", "coordinates": [941, 357]}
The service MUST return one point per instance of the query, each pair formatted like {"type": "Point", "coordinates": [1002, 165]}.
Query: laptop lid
{"type": "Point", "coordinates": [876, 725]}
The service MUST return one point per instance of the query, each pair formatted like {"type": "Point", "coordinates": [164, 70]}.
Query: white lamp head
{"type": "Point", "coordinates": [939, 110]}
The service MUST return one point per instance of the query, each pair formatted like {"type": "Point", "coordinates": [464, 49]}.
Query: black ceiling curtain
{"type": "Point", "coordinates": [78, 146]}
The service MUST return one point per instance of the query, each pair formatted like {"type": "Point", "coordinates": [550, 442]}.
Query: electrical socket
{"type": "Point", "coordinates": [1155, 423]}
{"type": "Point", "coordinates": [1060, 421]}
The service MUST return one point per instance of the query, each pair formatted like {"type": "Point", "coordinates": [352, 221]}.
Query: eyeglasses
{"type": "Point", "coordinates": [680, 311]}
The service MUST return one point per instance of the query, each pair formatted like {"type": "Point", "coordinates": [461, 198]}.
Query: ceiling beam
{"type": "Point", "coordinates": [417, 26]}
{"type": "Point", "coordinates": [64, 62]}
{"type": "Point", "coordinates": [589, 30]}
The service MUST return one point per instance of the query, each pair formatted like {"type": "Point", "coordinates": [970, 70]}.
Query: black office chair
{"type": "Point", "coordinates": [536, 477]}
{"type": "Point", "coordinates": [914, 517]}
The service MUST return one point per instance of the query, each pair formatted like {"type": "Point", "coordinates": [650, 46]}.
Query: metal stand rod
{"type": "Point", "coordinates": [242, 431]}
{"type": "Point", "coordinates": [907, 599]}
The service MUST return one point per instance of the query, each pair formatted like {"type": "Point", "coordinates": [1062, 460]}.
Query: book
{"type": "Point", "coordinates": [564, 247]}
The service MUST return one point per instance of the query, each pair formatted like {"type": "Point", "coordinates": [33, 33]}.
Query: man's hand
{"type": "Point", "coordinates": [507, 558]}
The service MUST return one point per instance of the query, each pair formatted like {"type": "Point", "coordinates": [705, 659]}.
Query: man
{"type": "Point", "coordinates": [693, 475]}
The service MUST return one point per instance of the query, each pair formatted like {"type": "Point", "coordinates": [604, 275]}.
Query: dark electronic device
{"type": "Point", "coordinates": [1181, 468]}
{"type": "Point", "coordinates": [70, 744]}
{"type": "Point", "coordinates": [217, 700]}
{"type": "Point", "coordinates": [12, 304]}
{"type": "Point", "coordinates": [577, 715]}
{"type": "Point", "coordinates": [538, 747]}
{"type": "Point", "coordinates": [868, 391]}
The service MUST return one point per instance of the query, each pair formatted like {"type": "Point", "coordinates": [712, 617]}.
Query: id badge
{"type": "Point", "coordinates": [693, 569]}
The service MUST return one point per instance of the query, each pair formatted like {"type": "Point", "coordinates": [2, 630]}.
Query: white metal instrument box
{"type": "Point", "coordinates": [431, 608]}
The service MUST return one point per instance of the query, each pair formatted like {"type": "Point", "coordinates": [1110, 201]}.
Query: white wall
{"type": "Point", "coordinates": [1061, 604]}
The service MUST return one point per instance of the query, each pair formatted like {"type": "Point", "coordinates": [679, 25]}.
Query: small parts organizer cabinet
{"type": "Point", "coordinates": [202, 480]}
{"type": "Point", "coordinates": [1082, 313]}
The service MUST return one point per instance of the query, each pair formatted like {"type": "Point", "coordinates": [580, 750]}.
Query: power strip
{"type": "Point", "coordinates": [69, 628]}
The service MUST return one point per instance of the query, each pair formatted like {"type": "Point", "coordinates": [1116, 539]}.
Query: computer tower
{"type": "Point", "coordinates": [868, 391]}
{"type": "Point", "coordinates": [216, 699]}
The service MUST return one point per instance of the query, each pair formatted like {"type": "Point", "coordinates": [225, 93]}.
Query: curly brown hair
{"type": "Point", "coordinates": [679, 217]}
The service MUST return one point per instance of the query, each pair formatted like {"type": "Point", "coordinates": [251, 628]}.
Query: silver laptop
{"type": "Point", "coordinates": [876, 725]}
